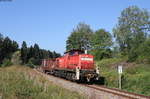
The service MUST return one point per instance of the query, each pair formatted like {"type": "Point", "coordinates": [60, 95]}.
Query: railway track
{"type": "Point", "coordinates": [118, 92]}
{"type": "Point", "coordinates": [93, 91]}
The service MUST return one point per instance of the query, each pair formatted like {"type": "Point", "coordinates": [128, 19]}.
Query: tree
{"type": "Point", "coordinates": [1, 39]}
{"type": "Point", "coordinates": [24, 52]}
{"type": "Point", "coordinates": [1, 44]}
{"type": "Point", "coordinates": [132, 28]}
{"type": "Point", "coordinates": [50, 54]}
{"type": "Point", "coordinates": [80, 37]}
{"type": "Point", "coordinates": [30, 52]}
{"type": "Point", "coordinates": [7, 48]}
{"type": "Point", "coordinates": [44, 54]}
{"type": "Point", "coordinates": [36, 54]}
{"type": "Point", "coordinates": [36, 51]}
{"type": "Point", "coordinates": [14, 46]}
{"type": "Point", "coordinates": [55, 55]}
{"type": "Point", "coordinates": [101, 43]}
{"type": "Point", "coordinates": [101, 39]}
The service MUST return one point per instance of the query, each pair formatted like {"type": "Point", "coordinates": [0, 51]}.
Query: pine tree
{"type": "Point", "coordinates": [24, 52]}
{"type": "Point", "coordinates": [36, 54]}
{"type": "Point", "coordinates": [7, 48]}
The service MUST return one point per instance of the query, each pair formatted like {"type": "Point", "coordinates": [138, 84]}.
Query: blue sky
{"type": "Point", "coordinates": [49, 22]}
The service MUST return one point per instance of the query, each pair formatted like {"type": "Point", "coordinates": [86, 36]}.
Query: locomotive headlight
{"type": "Point", "coordinates": [86, 59]}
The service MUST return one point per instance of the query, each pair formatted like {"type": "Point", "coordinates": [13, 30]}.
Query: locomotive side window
{"type": "Point", "coordinates": [71, 53]}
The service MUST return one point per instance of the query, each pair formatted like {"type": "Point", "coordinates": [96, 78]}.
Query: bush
{"type": "Point", "coordinates": [140, 54]}
{"type": "Point", "coordinates": [144, 52]}
{"type": "Point", "coordinates": [137, 81]}
{"type": "Point", "coordinates": [133, 54]}
{"type": "Point", "coordinates": [143, 59]}
{"type": "Point", "coordinates": [30, 63]}
{"type": "Point", "coordinates": [6, 62]}
{"type": "Point", "coordinates": [16, 59]}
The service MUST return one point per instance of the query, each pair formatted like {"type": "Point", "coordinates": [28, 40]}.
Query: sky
{"type": "Point", "coordinates": [50, 22]}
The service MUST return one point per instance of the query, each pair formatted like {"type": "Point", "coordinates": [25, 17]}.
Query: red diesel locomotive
{"type": "Point", "coordinates": [74, 65]}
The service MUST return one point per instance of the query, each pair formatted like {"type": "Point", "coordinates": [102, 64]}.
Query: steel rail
{"type": "Point", "coordinates": [119, 92]}
{"type": "Point", "coordinates": [113, 91]}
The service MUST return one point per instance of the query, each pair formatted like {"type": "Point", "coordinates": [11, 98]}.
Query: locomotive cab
{"type": "Point", "coordinates": [83, 64]}
{"type": "Point", "coordinates": [77, 58]}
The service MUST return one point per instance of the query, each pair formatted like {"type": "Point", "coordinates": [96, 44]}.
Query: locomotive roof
{"type": "Point", "coordinates": [75, 50]}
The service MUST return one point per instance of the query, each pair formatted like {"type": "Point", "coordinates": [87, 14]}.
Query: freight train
{"type": "Point", "coordinates": [75, 65]}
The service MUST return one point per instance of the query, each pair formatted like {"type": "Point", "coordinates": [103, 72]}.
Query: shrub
{"type": "Point", "coordinates": [132, 55]}
{"type": "Point", "coordinates": [30, 63]}
{"type": "Point", "coordinates": [6, 62]}
{"type": "Point", "coordinates": [142, 53]}
{"type": "Point", "coordinates": [15, 59]}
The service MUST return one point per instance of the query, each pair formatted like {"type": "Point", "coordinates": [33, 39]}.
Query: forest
{"type": "Point", "coordinates": [10, 53]}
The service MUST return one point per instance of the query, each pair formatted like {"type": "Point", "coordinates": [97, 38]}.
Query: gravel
{"type": "Point", "coordinates": [88, 92]}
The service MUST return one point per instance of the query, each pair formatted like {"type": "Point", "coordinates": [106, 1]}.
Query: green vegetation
{"type": "Point", "coordinates": [130, 46]}
{"type": "Point", "coordinates": [131, 37]}
{"type": "Point", "coordinates": [27, 84]}
{"type": "Point", "coordinates": [7, 48]}
{"type": "Point", "coordinates": [84, 38]}
{"type": "Point", "coordinates": [33, 55]}
{"type": "Point", "coordinates": [80, 37]}
{"type": "Point", "coordinates": [11, 54]}
{"type": "Point", "coordinates": [135, 77]}
{"type": "Point", "coordinates": [132, 31]}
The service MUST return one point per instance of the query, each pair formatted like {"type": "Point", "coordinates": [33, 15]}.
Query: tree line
{"type": "Point", "coordinates": [130, 37]}
{"type": "Point", "coordinates": [31, 56]}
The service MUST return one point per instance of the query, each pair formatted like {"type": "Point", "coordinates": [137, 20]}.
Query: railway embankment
{"type": "Point", "coordinates": [93, 91]}
{"type": "Point", "coordinates": [21, 82]}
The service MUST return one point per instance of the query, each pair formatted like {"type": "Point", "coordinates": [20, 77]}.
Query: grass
{"type": "Point", "coordinates": [135, 77]}
{"type": "Point", "coordinates": [20, 82]}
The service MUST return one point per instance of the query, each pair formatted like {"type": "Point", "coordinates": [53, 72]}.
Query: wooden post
{"type": "Point", "coordinates": [119, 81]}
{"type": "Point", "coordinates": [120, 74]}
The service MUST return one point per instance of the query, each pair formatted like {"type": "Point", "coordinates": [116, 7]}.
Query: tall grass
{"type": "Point", "coordinates": [135, 77]}
{"type": "Point", "coordinates": [19, 82]}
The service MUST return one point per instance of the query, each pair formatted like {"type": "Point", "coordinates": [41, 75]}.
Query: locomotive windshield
{"type": "Point", "coordinates": [75, 52]}
{"type": "Point", "coordinates": [71, 53]}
